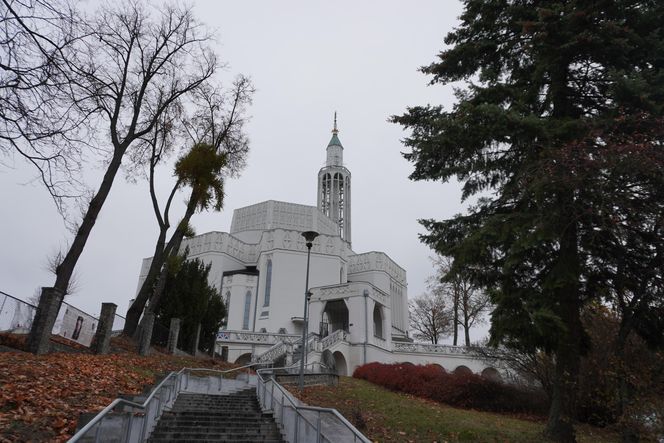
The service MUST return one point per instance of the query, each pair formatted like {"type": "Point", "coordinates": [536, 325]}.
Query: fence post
{"type": "Point", "coordinates": [173, 334]}
{"type": "Point", "coordinates": [102, 338]}
{"type": "Point", "coordinates": [146, 333]}
{"type": "Point", "coordinates": [39, 340]}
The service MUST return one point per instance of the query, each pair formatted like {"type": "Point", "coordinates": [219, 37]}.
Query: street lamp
{"type": "Point", "coordinates": [309, 236]}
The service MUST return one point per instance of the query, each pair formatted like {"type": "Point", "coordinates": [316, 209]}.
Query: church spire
{"type": "Point", "coordinates": [334, 185]}
{"type": "Point", "coordinates": [334, 141]}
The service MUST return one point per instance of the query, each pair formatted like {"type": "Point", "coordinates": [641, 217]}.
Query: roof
{"type": "Point", "coordinates": [334, 141]}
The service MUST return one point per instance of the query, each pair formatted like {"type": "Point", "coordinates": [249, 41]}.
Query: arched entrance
{"type": "Point", "coordinates": [340, 363]}
{"type": "Point", "coordinates": [328, 360]}
{"type": "Point", "coordinates": [463, 370]}
{"type": "Point", "coordinates": [243, 359]}
{"type": "Point", "coordinates": [335, 317]}
{"type": "Point", "coordinates": [492, 374]}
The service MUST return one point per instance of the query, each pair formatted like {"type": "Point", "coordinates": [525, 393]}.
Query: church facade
{"type": "Point", "coordinates": [358, 309]}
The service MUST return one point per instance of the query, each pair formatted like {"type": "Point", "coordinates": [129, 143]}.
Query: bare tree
{"type": "Point", "coordinates": [38, 121]}
{"type": "Point", "coordinates": [217, 121]}
{"type": "Point", "coordinates": [136, 65]}
{"type": "Point", "coordinates": [430, 317]}
{"type": "Point", "coordinates": [468, 303]}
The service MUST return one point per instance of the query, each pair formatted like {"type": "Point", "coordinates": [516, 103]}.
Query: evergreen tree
{"type": "Point", "coordinates": [558, 133]}
{"type": "Point", "coordinates": [189, 297]}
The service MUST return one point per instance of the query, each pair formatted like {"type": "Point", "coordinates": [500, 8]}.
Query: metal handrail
{"type": "Point", "coordinates": [298, 408]}
{"type": "Point", "coordinates": [177, 375]}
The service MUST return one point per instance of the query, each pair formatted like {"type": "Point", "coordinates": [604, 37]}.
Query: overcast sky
{"type": "Point", "coordinates": [306, 59]}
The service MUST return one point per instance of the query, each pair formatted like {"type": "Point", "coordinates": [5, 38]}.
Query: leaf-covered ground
{"type": "Point", "coordinates": [383, 415]}
{"type": "Point", "coordinates": [41, 397]}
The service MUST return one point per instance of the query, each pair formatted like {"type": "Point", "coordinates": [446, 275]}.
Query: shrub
{"type": "Point", "coordinates": [460, 390]}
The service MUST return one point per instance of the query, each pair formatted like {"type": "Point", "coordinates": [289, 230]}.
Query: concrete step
{"type": "Point", "coordinates": [239, 440]}
{"type": "Point", "coordinates": [216, 415]}
{"type": "Point", "coordinates": [218, 436]}
{"type": "Point", "coordinates": [221, 418]}
{"type": "Point", "coordinates": [221, 427]}
{"type": "Point", "coordinates": [194, 421]}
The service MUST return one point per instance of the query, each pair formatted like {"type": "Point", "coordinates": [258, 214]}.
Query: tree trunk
{"type": "Point", "coordinates": [456, 314]}
{"type": "Point", "coordinates": [173, 247]}
{"type": "Point", "coordinates": [562, 413]}
{"type": "Point", "coordinates": [65, 269]}
{"type": "Point", "coordinates": [136, 309]}
{"type": "Point", "coordinates": [628, 433]}
{"type": "Point", "coordinates": [466, 329]}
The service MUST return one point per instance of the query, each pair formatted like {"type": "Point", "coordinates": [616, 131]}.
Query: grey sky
{"type": "Point", "coordinates": [306, 59]}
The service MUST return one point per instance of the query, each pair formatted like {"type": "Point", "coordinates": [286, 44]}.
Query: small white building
{"type": "Point", "coordinates": [358, 310]}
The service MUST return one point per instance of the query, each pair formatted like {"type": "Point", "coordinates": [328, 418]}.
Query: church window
{"type": "Point", "coordinates": [268, 283]}
{"type": "Point", "coordinates": [247, 309]}
{"type": "Point", "coordinates": [378, 322]}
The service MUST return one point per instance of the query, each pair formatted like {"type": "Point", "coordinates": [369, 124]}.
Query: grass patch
{"type": "Point", "coordinates": [391, 416]}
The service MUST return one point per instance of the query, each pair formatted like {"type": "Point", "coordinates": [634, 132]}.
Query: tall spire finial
{"type": "Point", "coordinates": [335, 130]}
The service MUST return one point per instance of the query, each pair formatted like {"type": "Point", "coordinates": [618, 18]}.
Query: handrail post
{"type": "Point", "coordinates": [98, 430]}
{"type": "Point", "coordinates": [146, 414]}
{"type": "Point", "coordinates": [129, 423]}
{"type": "Point", "coordinates": [319, 429]}
{"type": "Point", "coordinates": [297, 423]}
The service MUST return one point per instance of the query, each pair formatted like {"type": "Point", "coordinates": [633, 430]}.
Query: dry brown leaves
{"type": "Point", "coordinates": [41, 397]}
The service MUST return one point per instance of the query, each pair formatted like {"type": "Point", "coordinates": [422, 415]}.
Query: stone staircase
{"type": "Point", "coordinates": [234, 417]}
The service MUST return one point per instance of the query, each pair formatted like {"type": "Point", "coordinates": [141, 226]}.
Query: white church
{"type": "Point", "coordinates": [358, 309]}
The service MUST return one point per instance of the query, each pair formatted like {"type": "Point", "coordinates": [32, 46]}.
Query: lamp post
{"type": "Point", "coordinates": [309, 236]}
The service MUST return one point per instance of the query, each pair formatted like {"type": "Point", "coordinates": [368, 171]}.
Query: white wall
{"type": "Point", "coordinates": [288, 286]}
{"type": "Point", "coordinates": [238, 285]}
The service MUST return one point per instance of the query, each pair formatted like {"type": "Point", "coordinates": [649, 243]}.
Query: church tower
{"type": "Point", "coordinates": [334, 186]}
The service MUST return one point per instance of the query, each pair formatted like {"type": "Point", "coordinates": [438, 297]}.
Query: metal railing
{"type": "Point", "coordinates": [137, 423]}
{"type": "Point", "coordinates": [303, 423]}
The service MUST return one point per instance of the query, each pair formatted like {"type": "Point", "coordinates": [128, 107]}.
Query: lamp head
{"type": "Point", "coordinates": [309, 236]}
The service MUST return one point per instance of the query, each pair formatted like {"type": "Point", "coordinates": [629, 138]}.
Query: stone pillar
{"type": "Point", "coordinates": [146, 333]}
{"type": "Point", "coordinates": [173, 334]}
{"type": "Point", "coordinates": [197, 337]}
{"type": "Point", "coordinates": [102, 340]}
{"type": "Point", "coordinates": [39, 340]}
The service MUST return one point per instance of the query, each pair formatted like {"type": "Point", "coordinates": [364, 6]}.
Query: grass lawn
{"type": "Point", "coordinates": [391, 416]}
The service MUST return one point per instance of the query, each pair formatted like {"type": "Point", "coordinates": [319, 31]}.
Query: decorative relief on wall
{"type": "Point", "coordinates": [430, 349]}
{"type": "Point", "coordinates": [221, 242]}
{"type": "Point", "coordinates": [376, 261]}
